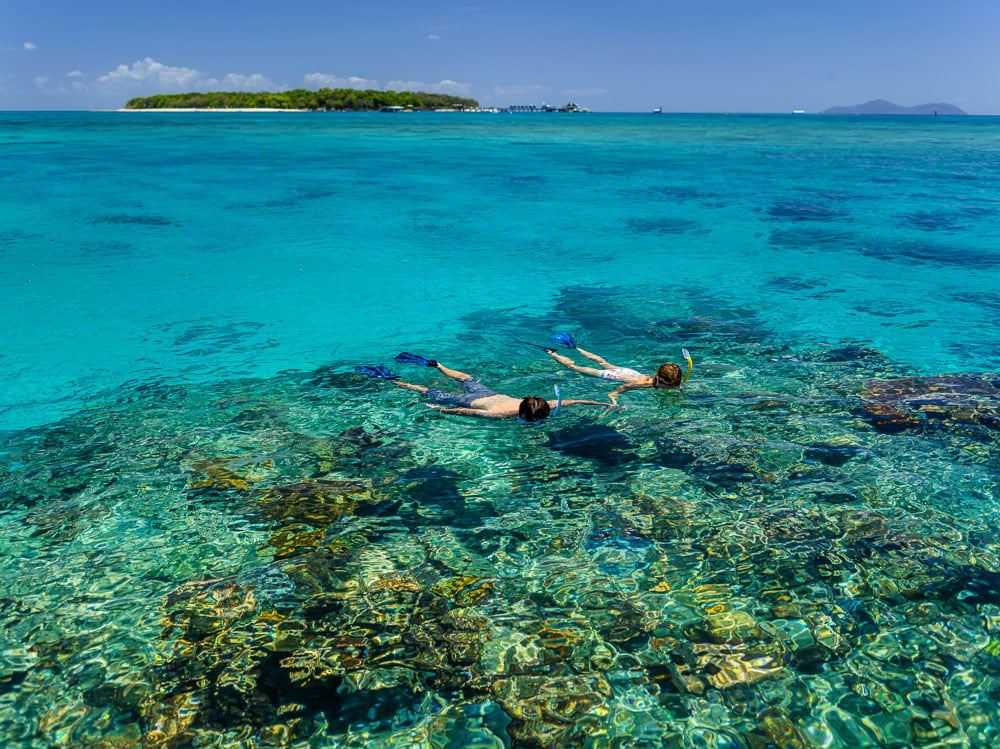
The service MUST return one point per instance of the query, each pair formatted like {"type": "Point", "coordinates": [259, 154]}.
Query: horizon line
{"type": "Point", "coordinates": [250, 110]}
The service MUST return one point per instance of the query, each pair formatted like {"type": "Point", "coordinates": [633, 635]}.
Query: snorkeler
{"type": "Point", "coordinates": [667, 376]}
{"type": "Point", "coordinates": [476, 399]}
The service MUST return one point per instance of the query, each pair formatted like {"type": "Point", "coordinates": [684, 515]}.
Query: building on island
{"type": "Point", "coordinates": [571, 107]}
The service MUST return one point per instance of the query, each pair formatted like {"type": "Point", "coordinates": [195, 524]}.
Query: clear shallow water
{"type": "Point", "coordinates": [146, 245]}
{"type": "Point", "coordinates": [218, 534]}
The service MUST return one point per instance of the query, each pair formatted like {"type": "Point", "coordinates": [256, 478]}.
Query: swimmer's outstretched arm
{"type": "Point", "coordinates": [586, 403]}
{"type": "Point", "coordinates": [644, 383]}
{"type": "Point", "coordinates": [465, 411]}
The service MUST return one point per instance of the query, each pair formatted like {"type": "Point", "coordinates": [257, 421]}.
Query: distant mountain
{"type": "Point", "coordinates": [881, 106]}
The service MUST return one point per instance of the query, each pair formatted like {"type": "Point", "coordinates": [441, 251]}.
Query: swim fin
{"type": "Point", "coordinates": [377, 371]}
{"type": "Point", "coordinates": [407, 358]}
{"type": "Point", "coordinates": [538, 345]}
{"type": "Point", "coordinates": [563, 339]}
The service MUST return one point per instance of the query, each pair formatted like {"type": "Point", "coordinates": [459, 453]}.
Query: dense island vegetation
{"type": "Point", "coordinates": [337, 99]}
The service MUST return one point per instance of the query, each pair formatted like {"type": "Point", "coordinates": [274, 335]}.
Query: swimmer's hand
{"type": "Point", "coordinates": [588, 403]}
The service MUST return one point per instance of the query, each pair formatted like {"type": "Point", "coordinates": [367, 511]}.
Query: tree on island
{"type": "Point", "coordinates": [325, 99]}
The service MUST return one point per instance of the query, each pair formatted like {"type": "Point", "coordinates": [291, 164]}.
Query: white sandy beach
{"type": "Point", "coordinates": [212, 109]}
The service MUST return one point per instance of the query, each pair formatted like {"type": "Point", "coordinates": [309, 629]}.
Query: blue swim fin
{"type": "Point", "coordinates": [563, 339]}
{"type": "Point", "coordinates": [407, 358]}
{"type": "Point", "coordinates": [377, 371]}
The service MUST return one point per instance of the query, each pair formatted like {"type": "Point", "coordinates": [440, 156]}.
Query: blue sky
{"type": "Point", "coordinates": [692, 56]}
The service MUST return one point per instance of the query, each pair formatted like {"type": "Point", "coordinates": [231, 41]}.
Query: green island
{"type": "Point", "coordinates": [325, 99]}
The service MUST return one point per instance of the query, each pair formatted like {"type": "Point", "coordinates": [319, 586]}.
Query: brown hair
{"type": "Point", "coordinates": [533, 408]}
{"type": "Point", "coordinates": [667, 376]}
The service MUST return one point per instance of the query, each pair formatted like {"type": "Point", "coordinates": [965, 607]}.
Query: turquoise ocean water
{"type": "Point", "coordinates": [216, 534]}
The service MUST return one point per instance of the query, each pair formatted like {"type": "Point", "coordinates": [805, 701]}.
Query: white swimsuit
{"type": "Point", "coordinates": [622, 373]}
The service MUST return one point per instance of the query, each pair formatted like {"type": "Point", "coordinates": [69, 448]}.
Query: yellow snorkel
{"type": "Point", "coordinates": [687, 356]}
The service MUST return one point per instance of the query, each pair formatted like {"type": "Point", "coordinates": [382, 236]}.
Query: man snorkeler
{"type": "Point", "coordinates": [476, 399]}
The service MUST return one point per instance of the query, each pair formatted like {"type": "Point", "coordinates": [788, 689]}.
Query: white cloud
{"type": "Point", "coordinates": [441, 87]}
{"type": "Point", "coordinates": [148, 74]}
{"type": "Point", "coordinates": [325, 80]}
{"type": "Point", "coordinates": [255, 82]}
{"type": "Point", "coordinates": [152, 73]}
{"type": "Point", "coordinates": [30, 45]}
{"type": "Point", "coordinates": [47, 85]}
{"type": "Point", "coordinates": [433, 36]}
{"type": "Point", "coordinates": [147, 77]}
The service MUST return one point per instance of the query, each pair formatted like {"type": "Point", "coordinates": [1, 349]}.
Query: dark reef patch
{"type": "Point", "coordinates": [9, 681]}
{"type": "Point", "coordinates": [933, 221]}
{"type": "Point", "coordinates": [679, 193]}
{"type": "Point", "coordinates": [204, 339]}
{"type": "Point", "coordinates": [808, 238]}
{"type": "Point", "coordinates": [594, 441]}
{"type": "Point", "coordinates": [812, 238]}
{"type": "Point", "coordinates": [793, 284]}
{"type": "Point", "coordinates": [987, 299]}
{"type": "Point", "coordinates": [856, 352]}
{"type": "Point", "coordinates": [333, 376]}
{"type": "Point", "coordinates": [930, 253]}
{"type": "Point", "coordinates": [833, 455]}
{"type": "Point", "coordinates": [662, 225]}
{"type": "Point", "coordinates": [894, 405]}
{"type": "Point", "coordinates": [131, 219]}
{"type": "Point", "coordinates": [15, 236]}
{"type": "Point", "coordinates": [433, 495]}
{"type": "Point", "coordinates": [725, 329]}
{"type": "Point", "coordinates": [803, 210]}
{"type": "Point", "coordinates": [110, 249]}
